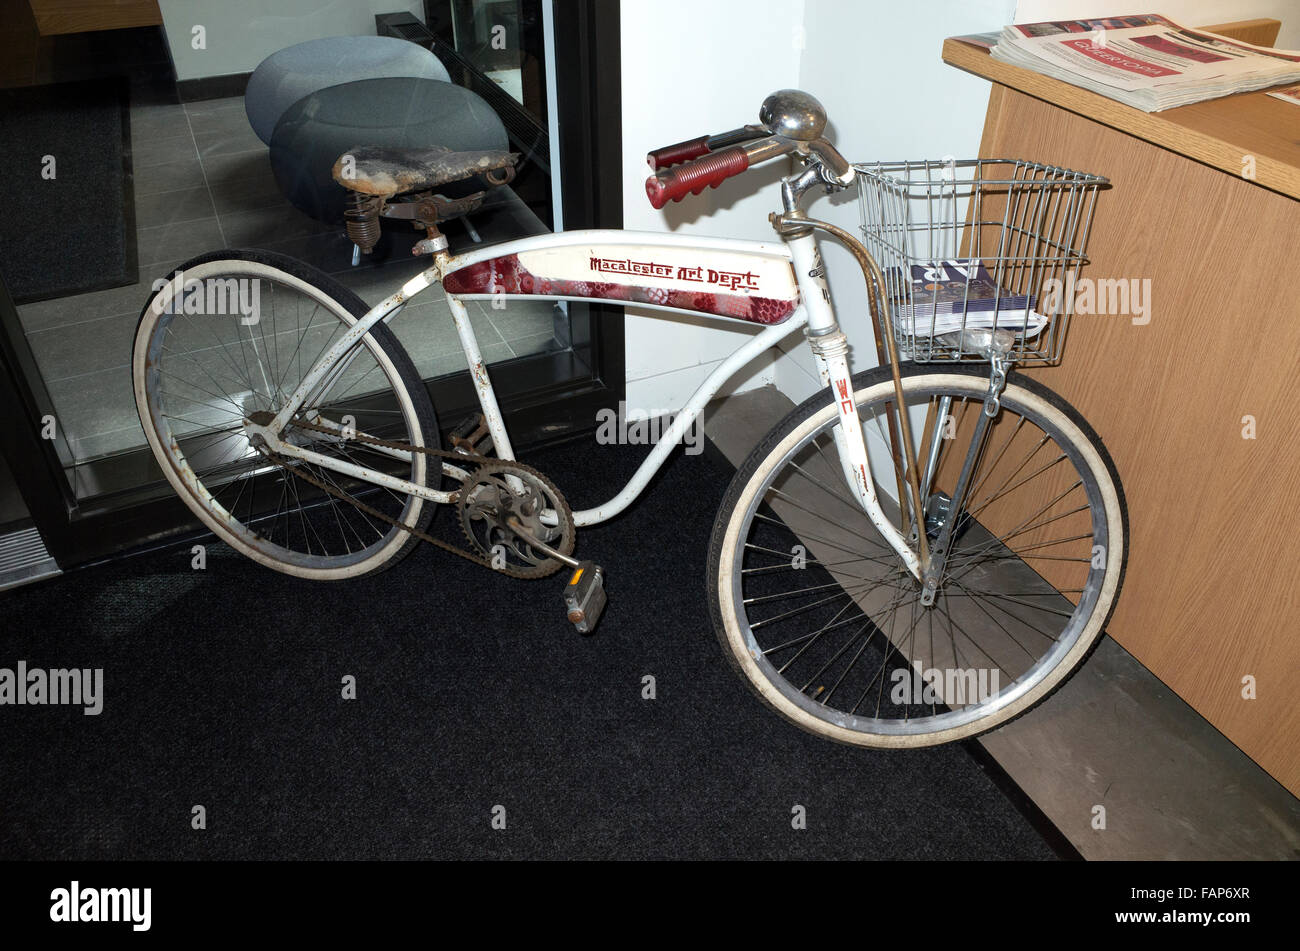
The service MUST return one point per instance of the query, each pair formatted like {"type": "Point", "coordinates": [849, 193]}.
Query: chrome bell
{"type": "Point", "coordinates": [794, 114]}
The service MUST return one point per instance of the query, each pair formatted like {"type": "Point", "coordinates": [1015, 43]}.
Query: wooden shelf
{"type": "Point", "coordinates": [1218, 132]}
{"type": "Point", "coordinates": [54, 17]}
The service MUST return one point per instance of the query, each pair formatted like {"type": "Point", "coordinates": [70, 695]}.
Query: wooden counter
{"type": "Point", "coordinates": [1215, 131]}
{"type": "Point", "coordinates": [1212, 596]}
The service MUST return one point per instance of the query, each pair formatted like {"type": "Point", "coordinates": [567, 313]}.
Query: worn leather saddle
{"type": "Point", "coordinates": [386, 171]}
{"type": "Point", "coordinates": [411, 184]}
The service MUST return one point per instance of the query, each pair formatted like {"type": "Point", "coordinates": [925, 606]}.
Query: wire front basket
{"type": "Point", "coordinates": [977, 249]}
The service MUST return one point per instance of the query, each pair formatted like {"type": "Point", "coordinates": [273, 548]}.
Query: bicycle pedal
{"type": "Point", "coordinates": [469, 432]}
{"type": "Point", "coordinates": [584, 596]}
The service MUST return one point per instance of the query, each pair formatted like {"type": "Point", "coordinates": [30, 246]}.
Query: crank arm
{"type": "Point", "coordinates": [517, 527]}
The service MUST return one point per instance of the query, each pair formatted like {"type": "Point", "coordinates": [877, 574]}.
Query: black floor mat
{"type": "Point", "coordinates": [69, 221]}
{"type": "Point", "coordinates": [222, 688]}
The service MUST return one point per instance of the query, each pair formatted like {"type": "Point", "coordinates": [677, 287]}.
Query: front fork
{"type": "Point", "coordinates": [926, 563]}
{"type": "Point", "coordinates": [831, 352]}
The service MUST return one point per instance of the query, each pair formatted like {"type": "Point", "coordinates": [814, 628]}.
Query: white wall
{"type": "Point", "coordinates": [876, 67]}
{"type": "Point", "coordinates": [1186, 12]}
{"type": "Point", "coordinates": [692, 67]}
{"type": "Point", "coordinates": [696, 67]}
{"type": "Point", "coordinates": [242, 33]}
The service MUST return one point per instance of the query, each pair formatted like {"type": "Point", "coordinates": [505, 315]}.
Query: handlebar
{"type": "Point", "coordinates": [679, 152]}
{"type": "Point", "coordinates": [711, 170]}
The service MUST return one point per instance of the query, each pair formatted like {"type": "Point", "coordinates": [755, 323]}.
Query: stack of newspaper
{"type": "Point", "coordinates": [1146, 61]}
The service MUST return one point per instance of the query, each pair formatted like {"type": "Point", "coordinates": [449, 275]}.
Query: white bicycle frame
{"type": "Point", "coordinates": [814, 314]}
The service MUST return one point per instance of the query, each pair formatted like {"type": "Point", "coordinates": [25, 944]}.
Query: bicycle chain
{"type": "Point", "coordinates": [472, 457]}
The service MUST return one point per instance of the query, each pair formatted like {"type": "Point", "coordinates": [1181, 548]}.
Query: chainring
{"type": "Point", "coordinates": [487, 501]}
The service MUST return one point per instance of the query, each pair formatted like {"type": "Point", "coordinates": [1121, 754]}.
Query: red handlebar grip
{"type": "Point", "coordinates": [692, 178]}
{"type": "Point", "coordinates": [681, 152]}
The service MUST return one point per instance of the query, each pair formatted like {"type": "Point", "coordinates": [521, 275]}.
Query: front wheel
{"type": "Point", "coordinates": [818, 613]}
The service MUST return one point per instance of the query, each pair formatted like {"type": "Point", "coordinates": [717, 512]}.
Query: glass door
{"type": "Point", "coordinates": [180, 171]}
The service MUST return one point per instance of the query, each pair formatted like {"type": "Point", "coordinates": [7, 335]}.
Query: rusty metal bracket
{"type": "Point", "coordinates": [425, 208]}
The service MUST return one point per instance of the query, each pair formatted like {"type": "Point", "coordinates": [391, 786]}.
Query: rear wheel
{"type": "Point", "coordinates": [231, 335]}
{"type": "Point", "coordinates": [818, 613]}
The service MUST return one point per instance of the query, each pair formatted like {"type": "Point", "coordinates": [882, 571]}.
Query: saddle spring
{"type": "Point", "coordinates": [362, 221]}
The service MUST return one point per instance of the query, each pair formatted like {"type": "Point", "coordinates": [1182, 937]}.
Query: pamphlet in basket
{"type": "Point", "coordinates": [950, 294]}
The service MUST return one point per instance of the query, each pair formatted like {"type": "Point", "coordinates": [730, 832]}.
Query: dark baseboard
{"type": "Point", "coordinates": [1056, 840]}
{"type": "Point", "coordinates": [212, 87]}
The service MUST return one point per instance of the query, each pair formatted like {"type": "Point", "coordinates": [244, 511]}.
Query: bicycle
{"type": "Point", "coordinates": [871, 588]}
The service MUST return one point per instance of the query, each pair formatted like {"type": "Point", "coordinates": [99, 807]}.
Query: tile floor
{"type": "Point", "coordinates": [203, 181]}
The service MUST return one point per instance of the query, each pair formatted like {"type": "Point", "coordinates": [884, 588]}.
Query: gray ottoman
{"type": "Point", "coordinates": [296, 71]}
{"type": "Point", "coordinates": [394, 112]}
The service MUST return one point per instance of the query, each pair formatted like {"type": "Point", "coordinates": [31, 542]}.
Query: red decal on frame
{"type": "Point", "coordinates": [505, 275]}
